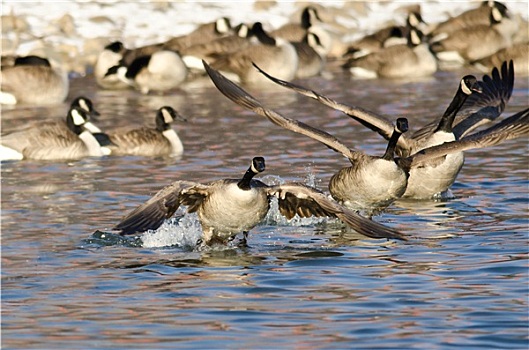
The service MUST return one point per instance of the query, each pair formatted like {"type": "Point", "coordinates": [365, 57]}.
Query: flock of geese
{"type": "Point", "coordinates": [483, 37]}
{"type": "Point", "coordinates": [419, 165]}
{"type": "Point", "coordinates": [422, 166]}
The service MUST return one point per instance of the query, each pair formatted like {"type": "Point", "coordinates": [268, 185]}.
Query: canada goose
{"type": "Point", "coordinates": [470, 18]}
{"type": "Point", "coordinates": [33, 80]}
{"type": "Point", "coordinates": [295, 32]}
{"type": "Point", "coordinates": [410, 60]}
{"type": "Point", "coordinates": [86, 104]}
{"type": "Point", "coordinates": [194, 54]}
{"type": "Point", "coordinates": [111, 56]}
{"type": "Point", "coordinates": [385, 37]}
{"type": "Point", "coordinates": [202, 34]}
{"type": "Point", "coordinates": [510, 128]}
{"type": "Point", "coordinates": [311, 56]}
{"type": "Point", "coordinates": [277, 55]}
{"type": "Point", "coordinates": [438, 175]}
{"type": "Point", "coordinates": [53, 140]}
{"type": "Point", "coordinates": [163, 70]}
{"type": "Point", "coordinates": [160, 141]}
{"type": "Point", "coordinates": [370, 183]}
{"type": "Point", "coordinates": [476, 42]}
{"type": "Point", "coordinates": [518, 53]}
{"type": "Point", "coordinates": [230, 206]}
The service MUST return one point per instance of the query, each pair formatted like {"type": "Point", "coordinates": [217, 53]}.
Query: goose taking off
{"type": "Point", "coordinates": [230, 206]}
{"type": "Point", "coordinates": [479, 108]}
{"type": "Point", "coordinates": [370, 183]}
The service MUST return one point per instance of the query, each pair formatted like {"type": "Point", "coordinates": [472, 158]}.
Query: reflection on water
{"type": "Point", "coordinates": [66, 280]}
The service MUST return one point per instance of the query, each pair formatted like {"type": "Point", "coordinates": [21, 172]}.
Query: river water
{"type": "Point", "coordinates": [461, 281]}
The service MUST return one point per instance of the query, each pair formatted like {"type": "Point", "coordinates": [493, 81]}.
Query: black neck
{"type": "Point", "coordinates": [262, 36]}
{"type": "Point", "coordinates": [392, 144]}
{"type": "Point", "coordinates": [449, 115]}
{"type": "Point", "coordinates": [244, 183]}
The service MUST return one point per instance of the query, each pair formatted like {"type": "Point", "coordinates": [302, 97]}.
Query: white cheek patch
{"type": "Point", "coordinates": [167, 118]}
{"type": "Point", "coordinates": [465, 88]}
{"type": "Point", "coordinates": [77, 118]}
{"type": "Point", "coordinates": [415, 38]}
{"type": "Point", "coordinates": [222, 26]}
{"type": "Point", "coordinates": [496, 14]}
{"type": "Point", "coordinates": [84, 105]}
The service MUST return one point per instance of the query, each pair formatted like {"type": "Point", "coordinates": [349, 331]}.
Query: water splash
{"type": "Point", "coordinates": [181, 231]}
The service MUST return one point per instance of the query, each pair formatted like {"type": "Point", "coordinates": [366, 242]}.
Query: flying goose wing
{"type": "Point", "coordinates": [244, 99]}
{"type": "Point", "coordinates": [367, 118]}
{"type": "Point", "coordinates": [480, 108]}
{"type": "Point", "coordinates": [296, 198]}
{"type": "Point", "coordinates": [510, 128]}
{"type": "Point", "coordinates": [151, 214]}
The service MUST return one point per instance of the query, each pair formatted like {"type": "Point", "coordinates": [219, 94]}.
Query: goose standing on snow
{"type": "Point", "coordinates": [54, 140]}
{"type": "Point", "coordinates": [311, 56]}
{"type": "Point", "coordinates": [163, 70]}
{"type": "Point", "coordinates": [230, 206]}
{"type": "Point", "coordinates": [439, 174]}
{"type": "Point", "coordinates": [410, 60]}
{"type": "Point", "coordinates": [157, 142]}
{"type": "Point", "coordinates": [277, 55]}
{"type": "Point", "coordinates": [369, 184]}
{"type": "Point", "coordinates": [33, 80]}
{"type": "Point", "coordinates": [111, 56]}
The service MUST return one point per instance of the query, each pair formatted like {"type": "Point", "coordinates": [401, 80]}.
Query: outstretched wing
{"type": "Point", "coordinates": [244, 99]}
{"type": "Point", "coordinates": [480, 108]}
{"type": "Point", "coordinates": [367, 118]}
{"type": "Point", "coordinates": [510, 128]}
{"type": "Point", "coordinates": [296, 198]}
{"type": "Point", "coordinates": [151, 214]}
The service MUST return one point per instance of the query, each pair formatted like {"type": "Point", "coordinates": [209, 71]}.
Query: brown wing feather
{"type": "Point", "coordinates": [244, 99]}
{"type": "Point", "coordinates": [513, 127]}
{"type": "Point", "coordinates": [151, 214]}
{"type": "Point", "coordinates": [296, 198]}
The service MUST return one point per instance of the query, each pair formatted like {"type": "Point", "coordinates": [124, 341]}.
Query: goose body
{"type": "Point", "coordinates": [230, 206]}
{"type": "Point", "coordinates": [278, 55]}
{"type": "Point", "coordinates": [33, 80]}
{"type": "Point", "coordinates": [385, 37]}
{"type": "Point", "coordinates": [476, 42]}
{"type": "Point", "coordinates": [370, 183]}
{"type": "Point", "coordinates": [470, 18]}
{"type": "Point", "coordinates": [163, 70]}
{"type": "Point", "coordinates": [311, 56]}
{"type": "Point", "coordinates": [410, 60]}
{"type": "Point", "coordinates": [149, 142]}
{"type": "Point", "coordinates": [111, 56]}
{"type": "Point", "coordinates": [482, 101]}
{"type": "Point", "coordinates": [53, 140]}
{"type": "Point", "coordinates": [518, 53]}
{"type": "Point", "coordinates": [202, 34]}
{"type": "Point", "coordinates": [224, 45]}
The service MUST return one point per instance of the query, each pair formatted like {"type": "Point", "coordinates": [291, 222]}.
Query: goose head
{"type": "Point", "coordinates": [85, 104]}
{"type": "Point", "coordinates": [467, 86]}
{"type": "Point", "coordinates": [257, 166]}
{"type": "Point", "coordinates": [166, 116]}
{"type": "Point", "coordinates": [401, 126]}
